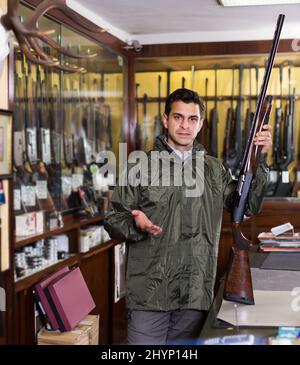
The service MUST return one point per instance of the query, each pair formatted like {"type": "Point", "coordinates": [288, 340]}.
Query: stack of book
{"type": "Point", "coordinates": [280, 239]}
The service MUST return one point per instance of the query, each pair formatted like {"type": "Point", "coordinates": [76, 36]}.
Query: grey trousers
{"type": "Point", "coordinates": [161, 328]}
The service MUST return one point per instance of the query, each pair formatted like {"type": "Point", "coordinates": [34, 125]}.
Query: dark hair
{"type": "Point", "coordinates": [187, 96]}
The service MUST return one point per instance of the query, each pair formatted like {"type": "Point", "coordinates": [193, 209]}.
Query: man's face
{"type": "Point", "coordinates": [183, 124]}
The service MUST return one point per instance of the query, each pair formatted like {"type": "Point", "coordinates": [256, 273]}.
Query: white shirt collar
{"type": "Point", "coordinates": [182, 155]}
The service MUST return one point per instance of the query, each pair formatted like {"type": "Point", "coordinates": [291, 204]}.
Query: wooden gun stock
{"type": "Point", "coordinates": [238, 287]}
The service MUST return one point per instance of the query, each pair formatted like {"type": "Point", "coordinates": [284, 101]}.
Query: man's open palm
{"type": "Point", "coordinates": [144, 223]}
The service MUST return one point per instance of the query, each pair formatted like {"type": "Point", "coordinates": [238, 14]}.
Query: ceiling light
{"type": "Point", "coordinates": [256, 2]}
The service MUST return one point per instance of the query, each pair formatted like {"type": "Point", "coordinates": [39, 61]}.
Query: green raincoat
{"type": "Point", "coordinates": [176, 270]}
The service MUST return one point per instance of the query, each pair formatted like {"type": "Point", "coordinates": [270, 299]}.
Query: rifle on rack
{"type": "Point", "coordinates": [284, 185]}
{"type": "Point", "coordinates": [249, 113]}
{"type": "Point", "coordinates": [29, 191]}
{"type": "Point", "coordinates": [168, 81]}
{"type": "Point", "coordinates": [56, 148]}
{"type": "Point", "coordinates": [277, 140]}
{"type": "Point", "coordinates": [202, 136]}
{"type": "Point", "coordinates": [85, 188]}
{"type": "Point", "coordinates": [89, 129]}
{"type": "Point", "coordinates": [296, 186]}
{"type": "Point", "coordinates": [238, 284]}
{"type": "Point", "coordinates": [24, 187]}
{"type": "Point", "coordinates": [67, 158]}
{"type": "Point", "coordinates": [145, 124]}
{"type": "Point", "coordinates": [157, 121]}
{"type": "Point", "coordinates": [214, 121]}
{"type": "Point", "coordinates": [229, 130]}
{"type": "Point", "coordinates": [238, 139]}
{"type": "Point", "coordinates": [105, 118]}
{"type": "Point", "coordinates": [183, 82]}
{"type": "Point", "coordinates": [138, 133]}
{"type": "Point", "coordinates": [42, 177]}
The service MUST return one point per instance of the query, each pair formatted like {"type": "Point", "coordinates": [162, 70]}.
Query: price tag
{"type": "Point", "coordinates": [31, 144]}
{"type": "Point", "coordinates": [66, 185]}
{"type": "Point", "coordinates": [17, 199]}
{"type": "Point", "coordinates": [273, 176]}
{"type": "Point", "coordinates": [111, 179]}
{"type": "Point", "coordinates": [41, 189]}
{"type": "Point", "coordinates": [18, 148]}
{"type": "Point", "coordinates": [285, 177]}
{"type": "Point", "coordinates": [46, 151]}
{"type": "Point", "coordinates": [88, 150]}
{"type": "Point", "coordinates": [77, 180]}
{"type": "Point", "coordinates": [28, 195]}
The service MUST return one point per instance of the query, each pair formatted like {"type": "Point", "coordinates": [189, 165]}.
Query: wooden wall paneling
{"type": "Point", "coordinates": [212, 48]}
{"type": "Point", "coordinates": [74, 240]}
{"type": "Point", "coordinates": [26, 318]}
{"type": "Point", "coordinates": [95, 270]}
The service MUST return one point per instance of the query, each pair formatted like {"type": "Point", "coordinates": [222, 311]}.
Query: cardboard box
{"type": "Point", "coordinates": [85, 333]}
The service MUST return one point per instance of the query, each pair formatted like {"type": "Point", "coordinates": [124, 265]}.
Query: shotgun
{"type": "Point", "coordinates": [214, 121]}
{"type": "Point", "coordinates": [23, 186]}
{"type": "Point", "coordinates": [145, 123]}
{"type": "Point", "coordinates": [284, 185]}
{"type": "Point", "coordinates": [183, 82]}
{"type": "Point", "coordinates": [249, 114]}
{"type": "Point", "coordinates": [238, 141]}
{"type": "Point", "coordinates": [105, 120]}
{"type": "Point", "coordinates": [157, 120]}
{"type": "Point", "coordinates": [238, 284]}
{"type": "Point", "coordinates": [277, 140]}
{"type": "Point", "coordinates": [67, 155]}
{"type": "Point", "coordinates": [42, 177]}
{"type": "Point", "coordinates": [228, 149]}
{"type": "Point", "coordinates": [202, 136]}
{"type": "Point", "coordinates": [296, 186]}
{"type": "Point", "coordinates": [138, 133]}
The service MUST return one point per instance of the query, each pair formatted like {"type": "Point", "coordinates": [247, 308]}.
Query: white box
{"type": "Point", "coordinates": [25, 224]}
{"type": "Point", "coordinates": [62, 242]}
{"type": "Point", "coordinates": [85, 240]}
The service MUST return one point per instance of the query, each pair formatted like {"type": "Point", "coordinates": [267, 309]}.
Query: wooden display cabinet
{"type": "Point", "coordinates": [97, 265]}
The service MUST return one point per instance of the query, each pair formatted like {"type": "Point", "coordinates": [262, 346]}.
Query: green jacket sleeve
{"type": "Point", "coordinates": [119, 222]}
{"type": "Point", "coordinates": [256, 192]}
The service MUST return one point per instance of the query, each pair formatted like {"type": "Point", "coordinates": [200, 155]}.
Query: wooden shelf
{"type": "Point", "coordinates": [99, 248]}
{"type": "Point", "coordinates": [74, 259]}
{"type": "Point", "coordinates": [70, 223]}
{"type": "Point", "coordinates": [31, 279]}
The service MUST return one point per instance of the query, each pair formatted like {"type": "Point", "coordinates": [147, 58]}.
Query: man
{"type": "Point", "coordinates": [172, 239]}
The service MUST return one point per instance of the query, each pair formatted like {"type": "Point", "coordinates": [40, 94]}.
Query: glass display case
{"type": "Point", "coordinates": [63, 121]}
